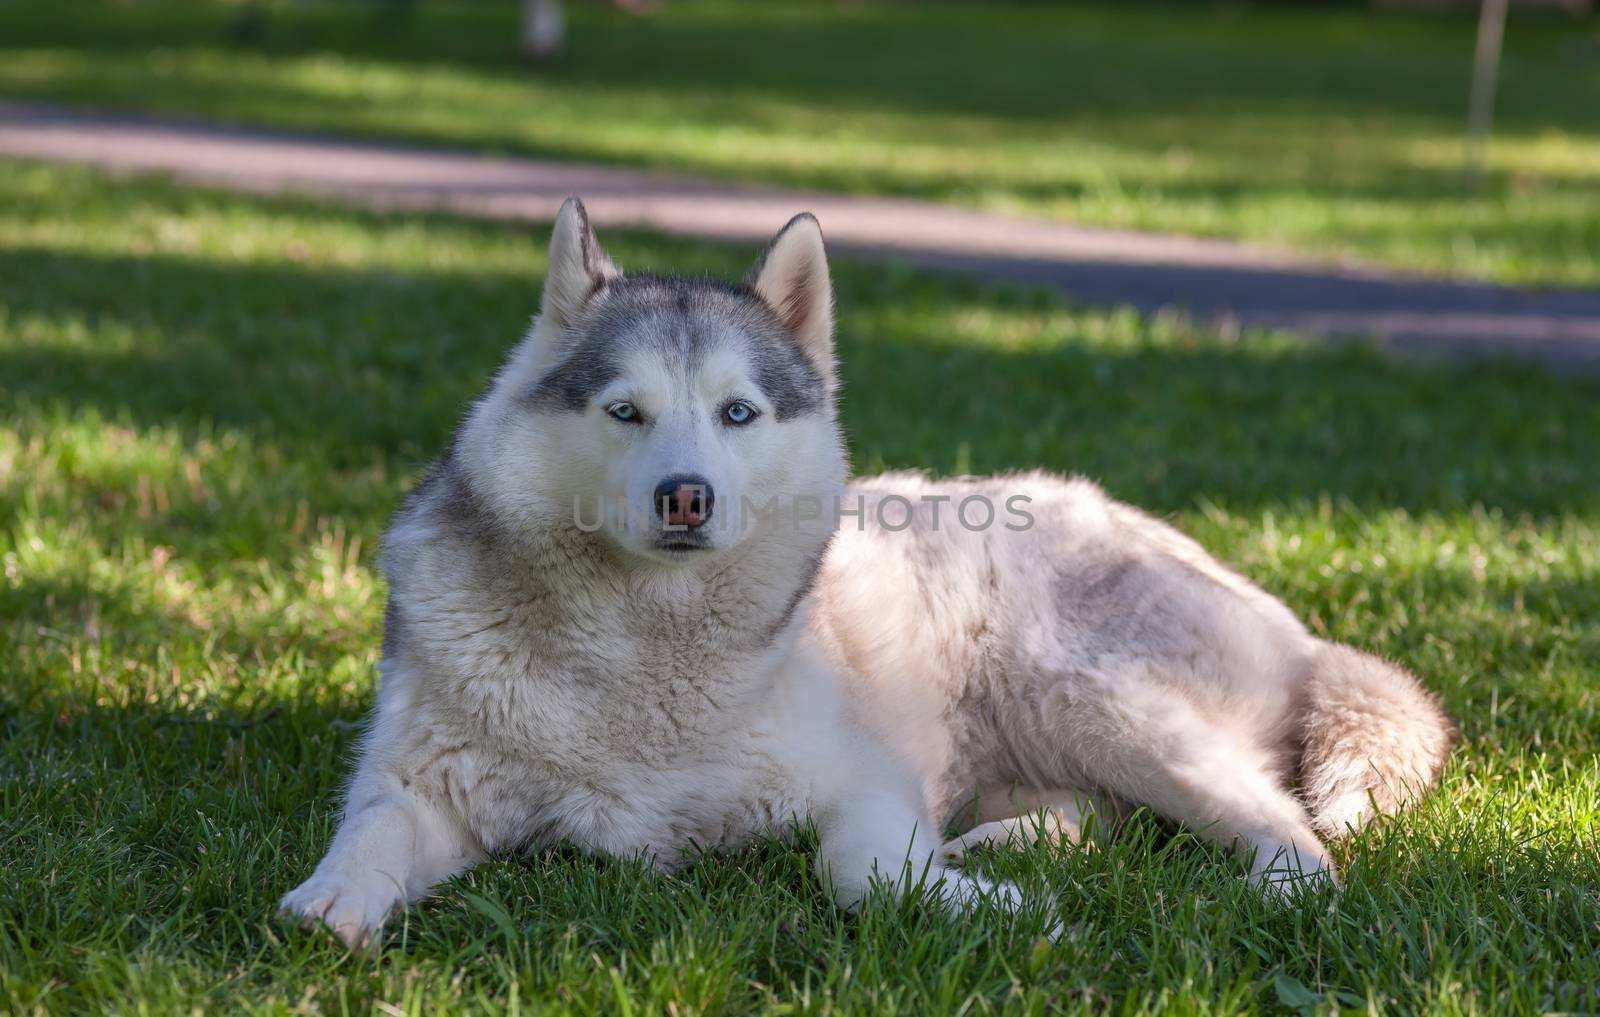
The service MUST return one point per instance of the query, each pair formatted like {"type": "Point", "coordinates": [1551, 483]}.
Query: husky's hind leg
{"type": "Point", "coordinates": [392, 847]}
{"type": "Point", "coordinates": [1198, 772]}
{"type": "Point", "coordinates": [1021, 816]}
{"type": "Point", "coordinates": [1133, 735]}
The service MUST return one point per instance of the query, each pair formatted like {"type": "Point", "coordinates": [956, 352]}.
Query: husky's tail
{"type": "Point", "coordinates": [1374, 739]}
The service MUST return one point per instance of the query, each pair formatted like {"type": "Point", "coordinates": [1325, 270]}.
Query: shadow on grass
{"type": "Point", "coordinates": [351, 362]}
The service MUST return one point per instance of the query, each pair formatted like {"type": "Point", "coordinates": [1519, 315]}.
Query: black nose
{"type": "Point", "coordinates": [684, 500]}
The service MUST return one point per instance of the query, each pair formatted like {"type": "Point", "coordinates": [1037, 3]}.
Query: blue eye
{"type": "Point", "coordinates": [738, 413]}
{"type": "Point", "coordinates": [625, 412]}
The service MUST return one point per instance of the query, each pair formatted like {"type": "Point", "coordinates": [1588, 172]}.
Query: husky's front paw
{"type": "Point", "coordinates": [1286, 877]}
{"type": "Point", "coordinates": [352, 909]}
{"type": "Point", "coordinates": [964, 891]}
{"type": "Point", "coordinates": [1289, 887]}
{"type": "Point", "coordinates": [986, 835]}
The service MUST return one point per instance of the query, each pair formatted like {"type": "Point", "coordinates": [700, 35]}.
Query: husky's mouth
{"type": "Point", "coordinates": [682, 543]}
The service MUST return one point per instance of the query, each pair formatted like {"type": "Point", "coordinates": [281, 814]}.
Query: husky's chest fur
{"type": "Point", "coordinates": [625, 710]}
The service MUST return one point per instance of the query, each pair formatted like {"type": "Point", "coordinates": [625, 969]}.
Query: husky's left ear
{"type": "Point", "coordinates": [578, 267]}
{"type": "Point", "coordinates": [792, 278]}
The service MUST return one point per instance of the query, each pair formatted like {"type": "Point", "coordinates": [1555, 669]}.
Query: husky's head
{"type": "Point", "coordinates": [677, 417]}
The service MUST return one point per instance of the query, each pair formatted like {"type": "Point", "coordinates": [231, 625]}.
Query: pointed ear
{"type": "Point", "coordinates": [578, 267]}
{"type": "Point", "coordinates": [792, 278]}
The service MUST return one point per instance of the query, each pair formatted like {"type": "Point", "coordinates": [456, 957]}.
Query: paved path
{"type": "Point", "coordinates": [1210, 279]}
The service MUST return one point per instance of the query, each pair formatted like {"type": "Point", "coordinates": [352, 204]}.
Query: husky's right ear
{"type": "Point", "coordinates": [578, 267]}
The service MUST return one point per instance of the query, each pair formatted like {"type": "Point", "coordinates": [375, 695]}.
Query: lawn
{"type": "Point", "coordinates": [1327, 130]}
{"type": "Point", "coordinates": [209, 404]}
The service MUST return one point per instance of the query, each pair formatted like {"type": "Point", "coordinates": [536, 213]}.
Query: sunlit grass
{"type": "Point", "coordinates": [210, 404]}
{"type": "Point", "coordinates": [1336, 132]}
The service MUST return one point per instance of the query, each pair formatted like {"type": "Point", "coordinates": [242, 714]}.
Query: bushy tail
{"type": "Point", "coordinates": [1374, 740]}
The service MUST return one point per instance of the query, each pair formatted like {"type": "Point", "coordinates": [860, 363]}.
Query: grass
{"type": "Point", "coordinates": [209, 404]}
{"type": "Point", "coordinates": [1332, 131]}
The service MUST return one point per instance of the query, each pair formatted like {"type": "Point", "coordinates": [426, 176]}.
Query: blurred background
{"type": "Point", "coordinates": [1337, 129]}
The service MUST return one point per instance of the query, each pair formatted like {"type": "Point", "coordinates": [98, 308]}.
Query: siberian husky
{"type": "Point", "coordinates": [638, 607]}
